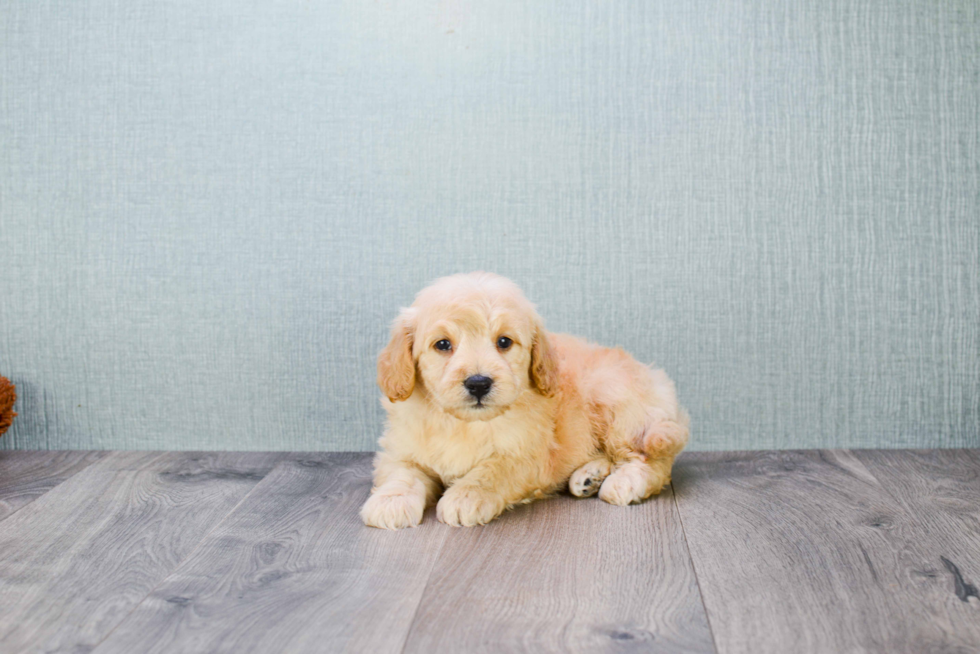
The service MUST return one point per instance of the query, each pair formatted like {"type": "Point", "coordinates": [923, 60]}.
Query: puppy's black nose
{"type": "Point", "coordinates": [478, 385]}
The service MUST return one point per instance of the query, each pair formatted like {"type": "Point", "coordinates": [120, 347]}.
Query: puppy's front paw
{"type": "Point", "coordinates": [463, 506]}
{"type": "Point", "coordinates": [585, 481]}
{"type": "Point", "coordinates": [395, 509]}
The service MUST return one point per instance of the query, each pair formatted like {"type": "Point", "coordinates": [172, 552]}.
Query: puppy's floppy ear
{"type": "Point", "coordinates": [544, 364]}
{"type": "Point", "coordinates": [396, 366]}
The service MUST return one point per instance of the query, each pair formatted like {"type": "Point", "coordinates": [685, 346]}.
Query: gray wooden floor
{"type": "Point", "coordinates": [815, 551]}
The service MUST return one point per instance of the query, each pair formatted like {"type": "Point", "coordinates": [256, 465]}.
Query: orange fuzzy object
{"type": "Point", "coordinates": [8, 395]}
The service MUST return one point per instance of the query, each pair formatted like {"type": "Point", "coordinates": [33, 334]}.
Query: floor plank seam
{"type": "Point", "coordinates": [189, 556]}
{"type": "Point", "coordinates": [694, 568]}
{"type": "Point", "coordinates": [418, 605]}
{"type": "Point", "coordinates": [71, 476]}
{"type": "Point", "coordinates": [887, 490]}
{"type": "Point", "coordinates": [17, 510]}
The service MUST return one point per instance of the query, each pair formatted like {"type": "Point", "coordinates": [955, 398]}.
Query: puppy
{"type": "Point", "coordinates": [488, 410]}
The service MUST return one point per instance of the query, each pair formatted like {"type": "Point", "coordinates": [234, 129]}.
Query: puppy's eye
{"type": "Point", "coordinates": [444, 345]}
{"type": "Point", "coordinates": [503, 342]}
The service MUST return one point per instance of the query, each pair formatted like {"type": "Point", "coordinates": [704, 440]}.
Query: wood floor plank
{"type": "Point", "coordinates": [941, 489]}
{"type": "Point", "coordinates": [252, 465]}
{"type": "Point", "coordinates": [292, 569]}
{"type": "Point", "coordinates": [807, 552]}
{"type": "Point", "coordinates": [27, 475]}
{"type": "Point", "coordinates": [565, 575]}
{"type": "Point", "coordinates": [77, 560]}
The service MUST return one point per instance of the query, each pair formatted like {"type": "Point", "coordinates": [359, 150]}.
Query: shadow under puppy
{"type": "Point", "coordinates": [488, 410]}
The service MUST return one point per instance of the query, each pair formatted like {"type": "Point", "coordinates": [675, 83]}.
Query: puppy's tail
{"type": "Point", "coordinates": [663, 437]}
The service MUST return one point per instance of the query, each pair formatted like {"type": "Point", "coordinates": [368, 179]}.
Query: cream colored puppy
{"type": "Point", "coordinates": [489, 410]}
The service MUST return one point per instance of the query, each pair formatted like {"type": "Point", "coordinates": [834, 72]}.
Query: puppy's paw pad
{"type": "Point", "coordinates": [585, 481]}
{"type": "Point", "coordinates": [468, 507]}
{"type": "Point", "coordinates": [393, 511]}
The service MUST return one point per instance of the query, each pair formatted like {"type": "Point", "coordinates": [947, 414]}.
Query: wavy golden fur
{"type": "Point", "coordinates": [559, 411]}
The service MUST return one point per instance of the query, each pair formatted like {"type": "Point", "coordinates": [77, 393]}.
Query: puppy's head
{"type": "Point", "coordinates": [473, 343]}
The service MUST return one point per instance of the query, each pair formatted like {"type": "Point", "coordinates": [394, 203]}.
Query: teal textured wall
{"type": "Point", "coordinates": [210, 211]}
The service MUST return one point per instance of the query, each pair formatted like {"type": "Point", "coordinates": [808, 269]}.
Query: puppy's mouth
{"type": "Point", "coordinates": [478, 409]}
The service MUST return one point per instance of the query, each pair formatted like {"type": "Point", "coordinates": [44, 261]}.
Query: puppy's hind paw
{"type": "Point", "coordinates": [631, 482]}
{"type": "Point", "coordinates": [585, 481]}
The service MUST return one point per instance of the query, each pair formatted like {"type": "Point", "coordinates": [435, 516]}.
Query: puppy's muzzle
{"type": "Point", "coordinates": [478, 386]}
